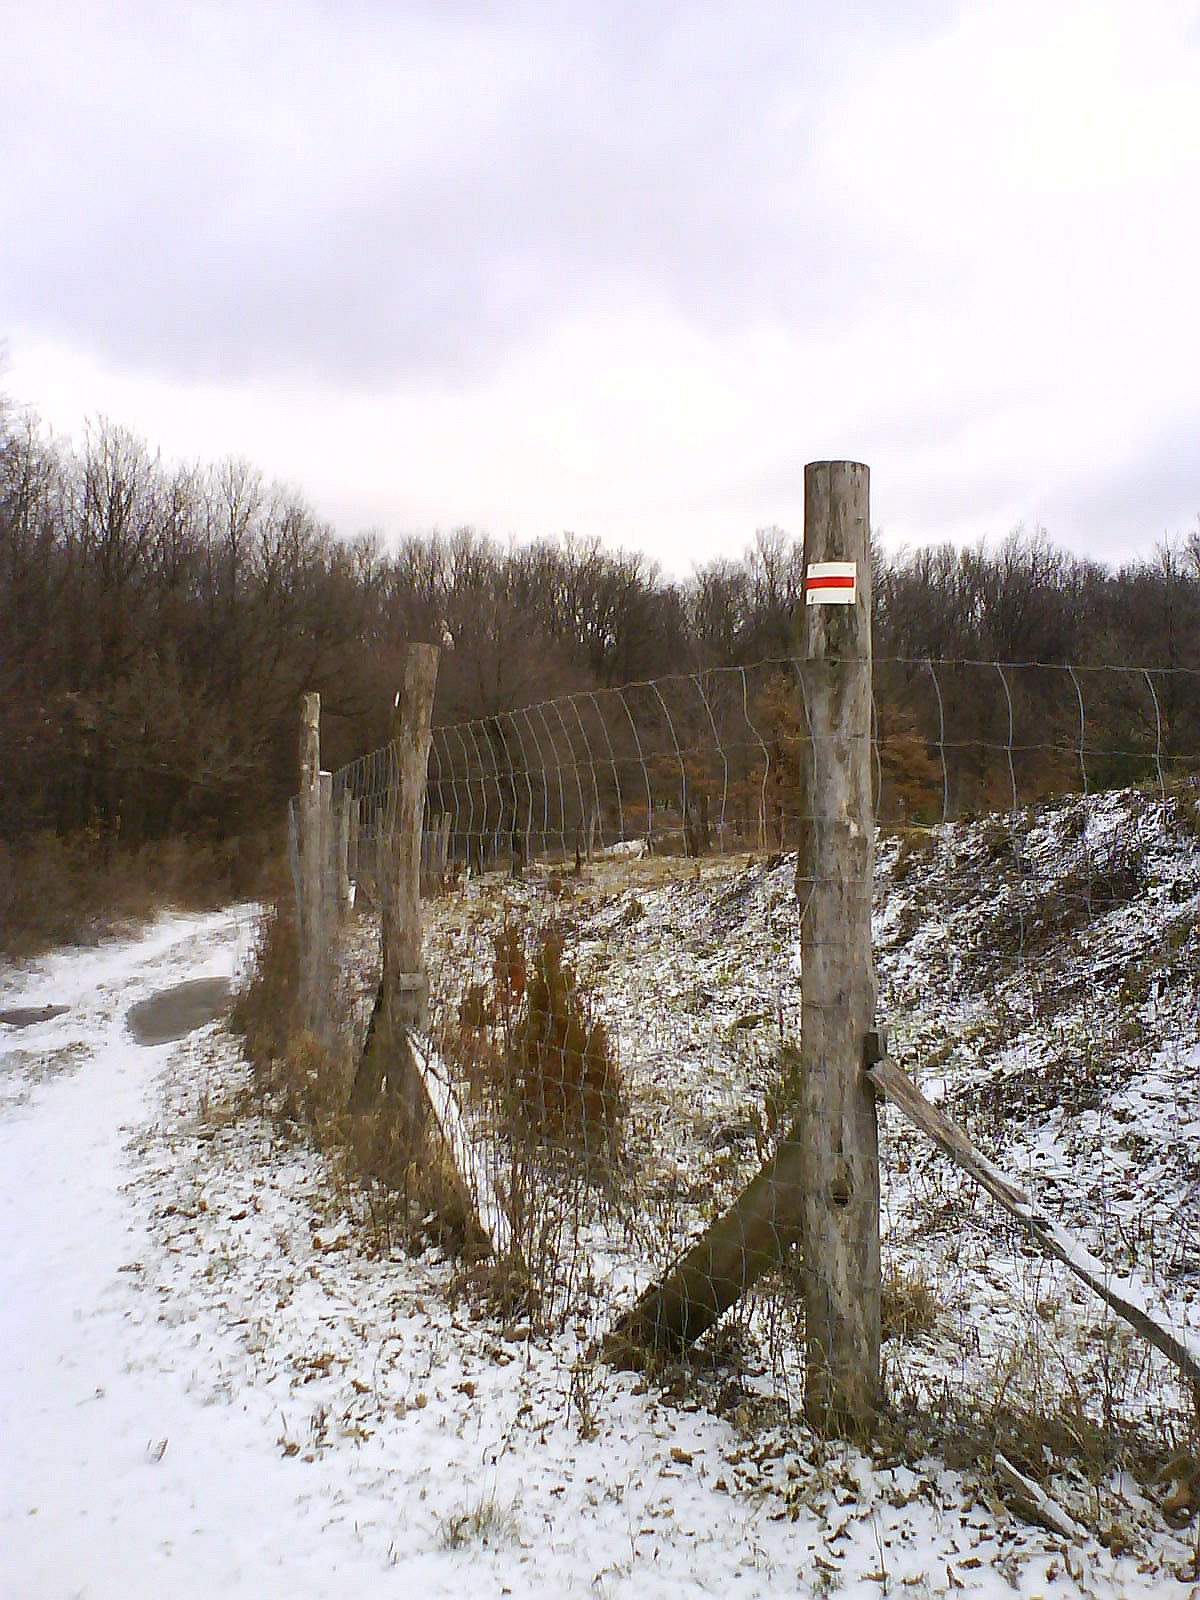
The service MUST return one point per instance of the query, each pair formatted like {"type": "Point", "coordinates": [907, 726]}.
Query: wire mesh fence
{"type": "Point", "coordinates": [612, 939]}
{"type": "Point", "coordinates": [707, 762]}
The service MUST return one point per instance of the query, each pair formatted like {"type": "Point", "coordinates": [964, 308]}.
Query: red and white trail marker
{"type": "Point", "coordinates": [831, 583]}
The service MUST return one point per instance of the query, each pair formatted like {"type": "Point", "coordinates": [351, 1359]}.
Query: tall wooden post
{"type": "Point", "coordinates": [403, 989]}
{"type": "Point", "coordinates": [840, 1177]}
{"type": "Point", "coordinates": [412, 717]}
{"type": "Point", "coordinates": [311, 933]}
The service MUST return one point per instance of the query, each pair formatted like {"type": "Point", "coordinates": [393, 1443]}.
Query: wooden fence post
{"type": "Point", "coordinates": [840, 1170]}
{"type": "Point", "coordinates": [412, 717]}
{"type": "Point", "coordinates": [403, 994]}
{"type": "Point", "coordinates": [345, 812]}
{"type": "Point", "coordinates": [352, 831]}
{"type": "Point", "coordinates": [443, 848]}
{"type": "Point", "coordinates": [308, 823]}
{"type": "Point", "coordinates": [328, 851]}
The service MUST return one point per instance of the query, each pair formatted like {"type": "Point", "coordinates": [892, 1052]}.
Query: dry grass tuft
{"type": "Point", "coordinates": [265, 1010]}
{"type": "Point", "coordinates": [908, 1306]}
{"type": "Point", "coordinates": [305, 1075]}
{"type": "Point", "coordinates": [545, 1097]}
{"type": "Point", "coordinates": [485, 1523]}
{"type": "Point", "coordinates": [410, 1194]}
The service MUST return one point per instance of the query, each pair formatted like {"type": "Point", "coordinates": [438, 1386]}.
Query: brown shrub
{"type": "Point", "coordinates": [305, 1074]}
{"type": "Point", "coordinates": [509, 973]}
{"type": "Point", "coordinates": [475, 1011]}
{"type": "Point", "coordinates": [409, 1191]}
{"type": "Point", "coordinates": [265, 1010]}
{"type": "Point", "coordinates": [908, 1306]}
{"type": "Point", "coordinates": [561, 1072]}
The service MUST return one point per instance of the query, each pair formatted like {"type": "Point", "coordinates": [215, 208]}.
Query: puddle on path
{"type": "Point", "coordinates": [173, 1013]}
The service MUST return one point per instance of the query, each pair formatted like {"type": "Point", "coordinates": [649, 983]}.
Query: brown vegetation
{"type": "Point", "coordinates": [561, 1072]}
{"type": "Point", "coordinates": [303, 1078]}
{"type": "Point", "coordinates": [158, 624]}
{"type": "Point", "coordinates": [70, 890]}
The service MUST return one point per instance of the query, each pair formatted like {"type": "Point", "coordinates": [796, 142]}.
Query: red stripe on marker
{"type": "Point", "coordinates": [828, 583]}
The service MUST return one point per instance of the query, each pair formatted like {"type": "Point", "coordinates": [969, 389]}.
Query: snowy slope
{"type": "Point", "coordinates": [210, 1384]}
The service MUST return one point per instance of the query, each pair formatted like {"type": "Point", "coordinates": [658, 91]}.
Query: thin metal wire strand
{"type": "Point", "coordinates": [485, 824]}
{"type": "Point", "coordinates": [574, 764]}
{"type": "Point", "coordinates": [718, 746]}
{"type": "Point", "coordinates": [1162, 787]}
{"type": "Point", "coordinates": [941, 740]}
{"type": "Point", "coordinates": [620, 694]}
{"type": "Point", "coordinates": [766, 754]}
{"type": "Point", "coordinates": [525, 773]}
{"type": "Point", "coordinates": [545, 779]}
{"type": "Point", "coordinates": [683, 794]}
{"type": "Point", "coordinates": [562, 799]}
{"type": "Point", "coordinates": [613, 763]}
{"type": "Point", "coordinates": [470, 828]}
{"type": "Point", "coordinates": [598, 810]}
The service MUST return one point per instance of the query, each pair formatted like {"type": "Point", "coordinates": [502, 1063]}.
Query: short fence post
{"type": "Point", "coordinates": [311, 933]}
{"type": "Point", "coordinates": [443, 848]}
{"type": "Point", "coordinates": [345, 812]}
{"type": "Point", "coordinates": [840, 1182]}
{"type": "Point", "coordinates": [354, 811]}
{"type": "Point", "coordinates": [328, 854]}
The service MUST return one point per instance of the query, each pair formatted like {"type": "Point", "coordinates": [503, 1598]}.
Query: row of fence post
{"type": "Point", "coordinates": [329, 851]}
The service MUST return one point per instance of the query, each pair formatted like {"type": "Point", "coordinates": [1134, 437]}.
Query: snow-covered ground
{"type": "Point", "coordinates": [210, 1384]}
{"type": "Point", "coordinates": [1039, 976]}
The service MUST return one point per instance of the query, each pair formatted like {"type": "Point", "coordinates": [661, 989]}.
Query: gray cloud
{"type": "Point", "coordinates": [359, 193]}
{"type": "Point", "coordinates": [1124, 507]}
{"type": "Point", "coordinates": [607, 262]}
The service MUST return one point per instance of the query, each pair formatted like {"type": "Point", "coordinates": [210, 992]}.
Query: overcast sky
{"type": "Point", "coordinates": [622, 266]}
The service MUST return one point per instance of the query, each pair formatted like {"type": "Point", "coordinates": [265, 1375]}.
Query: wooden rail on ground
{"type": "Point", "coordinates": [1123, 1295]}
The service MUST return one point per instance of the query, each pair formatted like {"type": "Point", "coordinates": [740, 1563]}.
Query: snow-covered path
{"type": "Point", "coordinates": [207, 1388]}
{"type": "Point", "coordinates": [115, 1481]}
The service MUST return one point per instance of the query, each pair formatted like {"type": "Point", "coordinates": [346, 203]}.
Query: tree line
{"type": "Point", "coordinates": [159, 622]}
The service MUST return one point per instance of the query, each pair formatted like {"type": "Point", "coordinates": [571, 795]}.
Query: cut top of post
{"type": "Point", "coordinates": [310, 741]}
{"type": "Point", "coordinates": [412, 708]}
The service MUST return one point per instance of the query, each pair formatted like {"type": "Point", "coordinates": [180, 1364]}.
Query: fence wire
{"type": "Point", "coordinates": [707, 762]}
{"type": "Point", "coordinates": [612, 940]}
